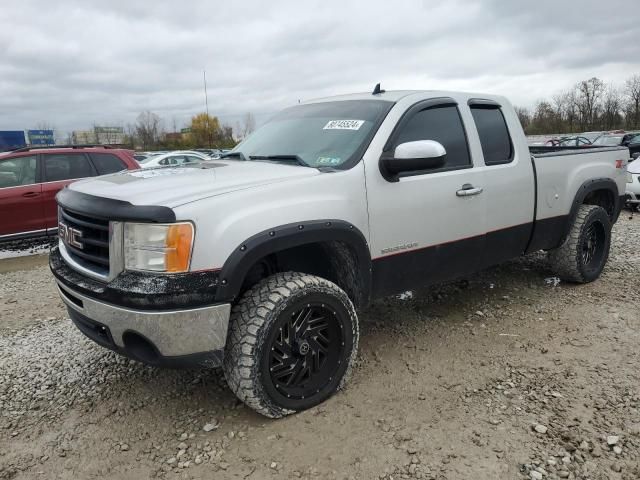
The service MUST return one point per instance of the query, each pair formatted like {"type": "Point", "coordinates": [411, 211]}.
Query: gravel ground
{"type": "Point", "coordinates": [506, 375]}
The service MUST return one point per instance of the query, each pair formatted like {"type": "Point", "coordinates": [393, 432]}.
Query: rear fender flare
{"type": "Point", "coordinates": [585, 189]}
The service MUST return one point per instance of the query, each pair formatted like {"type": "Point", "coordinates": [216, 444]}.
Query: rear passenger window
{"type": "Point", "coordinates": [107, 163]}
{"type": "Point", "coordinates": [494, 135]}
{"type": "Point", "coordinates": [66, 167]}
{"type": "Point", "coordinates": [18, 171]}
{"type": "Point", "coordinates": [442, 124]}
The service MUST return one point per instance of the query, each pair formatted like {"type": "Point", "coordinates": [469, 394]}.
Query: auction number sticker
{"type": "Point", "coordinates": [343, 125]}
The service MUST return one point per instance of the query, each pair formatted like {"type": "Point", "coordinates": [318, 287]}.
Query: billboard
{"type": "Point", "coordinates": [107, 130]}
{"type": "Point", "coordinates": [109, 135]}
{"type": "Point", "coordinates": [11, 139]}
{"type": "Point", "coordinates": [41, 137]}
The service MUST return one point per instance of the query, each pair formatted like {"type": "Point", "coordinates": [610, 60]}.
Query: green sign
{"type": "Point", "coordinates": [109, 130]}
{"type": "Point", "coordinates": [185, 130]}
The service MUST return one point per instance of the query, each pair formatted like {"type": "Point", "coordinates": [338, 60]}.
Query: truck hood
{"type": "Point", "coordinates": [173, 186]}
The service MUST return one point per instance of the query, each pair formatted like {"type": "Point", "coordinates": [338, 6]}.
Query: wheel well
{"type": "Point", "coordinates": [603, 198]}
{"type": "Point", "coordinates": [333, 260]}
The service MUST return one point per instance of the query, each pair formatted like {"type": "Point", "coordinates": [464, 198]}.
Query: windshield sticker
{"type": "Point", "coordinates": [328, 161]}
{"type": "Point", "coordinates": [343, 125]}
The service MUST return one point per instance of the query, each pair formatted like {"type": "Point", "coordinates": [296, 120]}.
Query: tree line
{"type": "Point", "coordinates": [590, 105]}
{"type": "Point", "coordinates": [204, 131]}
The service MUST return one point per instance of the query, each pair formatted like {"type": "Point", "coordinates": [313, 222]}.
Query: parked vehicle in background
{"type": "Point", "coordinates": [634, 147]}
{"type": "Point", "coordinates": [577, 141]}
{"type": "Point", "coordinates": [209, 152]}
{"type": "Point", "coordinates": [140, 156]}
{"type": "Point", "coordinates": [591, 136]}
{"type": "Point", "coordinates": [257, 262]}
{"type": "Point", "coordinates": [568, 141]}
{"type": "Point", "coordinates": [614, 139]}
{"type": "Point", "coordinates": [173, 158]}
{"type": "Point", "coordinates": [31, 177]}
{"type": "Point", "coordinates": [633, 186]}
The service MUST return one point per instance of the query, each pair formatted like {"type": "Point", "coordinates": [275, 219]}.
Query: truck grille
{"type": "Point", "coordinates": [87, 239]}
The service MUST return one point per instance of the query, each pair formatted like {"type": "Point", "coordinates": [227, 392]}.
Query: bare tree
{"type": "Point", "coordinates": [588, 105]}
{"type": "Point", "coordinates": [565, 106]}
{"type": "Point", "coordinates": [611, 108]}
{"type": "Point", "coordinates": [589, 96]}
{"type": "Point", "coordinates": [632, 101]}
{"type": "Point", "coordinates": [148, 129]}
{"type": "Point", "coordinates": [543, 118]}
{"type": "Point", "coordinates": [248, 125]}
{"type": "Point", "coordinates": [524, 116]}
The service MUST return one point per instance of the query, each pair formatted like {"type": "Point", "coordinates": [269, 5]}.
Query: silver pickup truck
{"type": "Point", "coordinates": [258, 261]}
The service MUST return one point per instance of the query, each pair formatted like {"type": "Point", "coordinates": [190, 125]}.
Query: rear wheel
{"type": "Point", "coordinates": [584, 253]}
{"type": "Point", "coordinates": [292, 340]}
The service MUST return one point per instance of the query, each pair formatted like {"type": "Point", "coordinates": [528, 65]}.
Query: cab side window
{"type": "Point", "coordinates": [444, 125]}
{"type": "Point", "coordinates": [497, 147]}
{"type": "Point", "coordinates": [15, 172]}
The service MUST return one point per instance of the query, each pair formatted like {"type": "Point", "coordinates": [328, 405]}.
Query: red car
{"type": "Point", "coordinates": [31, 177]}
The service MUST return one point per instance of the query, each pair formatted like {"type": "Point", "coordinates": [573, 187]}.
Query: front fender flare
{"type": "Point", "coordinates": [280, 238]}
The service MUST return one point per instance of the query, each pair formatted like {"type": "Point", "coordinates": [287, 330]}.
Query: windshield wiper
{"type": "Point", "coordinates": [285, 158]}
{"type": "Point", "coordinates": [239, 155]}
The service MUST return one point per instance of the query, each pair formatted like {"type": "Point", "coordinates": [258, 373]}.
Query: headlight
{"type": "Point", "coordinates": [158, 247]}
{"type": "Point", "coordinates": [629, 178]}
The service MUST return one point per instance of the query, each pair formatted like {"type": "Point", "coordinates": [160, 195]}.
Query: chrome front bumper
{"type": "Point", "coordinates": [173, 333]}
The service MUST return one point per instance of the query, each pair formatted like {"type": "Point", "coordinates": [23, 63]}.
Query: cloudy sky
{"type": "Point", "coordinates": [75, 63]}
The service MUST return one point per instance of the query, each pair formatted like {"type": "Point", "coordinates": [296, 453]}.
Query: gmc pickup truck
{"type": "Point", "coordinates": [258, 261]}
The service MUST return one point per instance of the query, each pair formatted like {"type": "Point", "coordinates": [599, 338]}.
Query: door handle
{"type": "Point", "coordinates": [30, 194]}
{"type": "Point", "coordinates": [468, 190]}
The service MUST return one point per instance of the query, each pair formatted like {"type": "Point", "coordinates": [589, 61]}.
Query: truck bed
{"type": "Point", "coordinates": [551, 151]}
{"type": "Point", "coordinates": [561, 173]}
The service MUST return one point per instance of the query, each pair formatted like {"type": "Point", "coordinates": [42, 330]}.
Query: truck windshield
{"type": "Point", "coordinates": [327, 134]}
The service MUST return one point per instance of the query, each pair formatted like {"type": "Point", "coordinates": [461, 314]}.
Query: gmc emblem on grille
{"type": "Point", "coordinates": [70, 235]}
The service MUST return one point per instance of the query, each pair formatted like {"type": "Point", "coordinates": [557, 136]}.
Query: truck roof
{"type": "Point", "coordinates": [397, 95]}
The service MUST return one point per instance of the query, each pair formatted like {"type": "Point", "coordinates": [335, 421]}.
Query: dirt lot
{"type": "Point", "coordinates": [507, 375]}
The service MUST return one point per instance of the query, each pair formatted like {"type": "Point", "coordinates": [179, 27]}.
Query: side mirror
{"type": "Point", "coordinates": [412, 157]}
{"type": "Point", "coordinates": [635, 155]}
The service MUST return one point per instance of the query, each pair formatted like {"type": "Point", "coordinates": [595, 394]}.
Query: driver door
{"type": "Point", "coordinates": [424, 229]}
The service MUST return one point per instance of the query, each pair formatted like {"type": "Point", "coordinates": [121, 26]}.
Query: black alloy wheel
{"type": "Point", "coordinates": [593, 245]}
{"type": "Point", "coordinates": [306, 351]}
{"type": "Point", "coordinates": [584, 253]}
{"type": "Point", "coordinates": [293, 338]}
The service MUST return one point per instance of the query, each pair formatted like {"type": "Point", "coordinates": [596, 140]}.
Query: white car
{"type": "Point", "coordinates": [173, 158]}
{"type": "Point", "coordinates": [633, 185]}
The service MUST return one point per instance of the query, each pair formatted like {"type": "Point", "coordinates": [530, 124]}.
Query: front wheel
{"type": "Point", "coordinates": [584, 253]}
{"type": "Point", "coordinates": [291, 344]}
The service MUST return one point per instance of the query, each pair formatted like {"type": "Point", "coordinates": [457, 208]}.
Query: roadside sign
{"type": "Point", "coordinates": [11, 139]}
{"type": "Point", "coordinates": [115, 130]}
{"type": "Point", "coordinates": [41, 137]}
